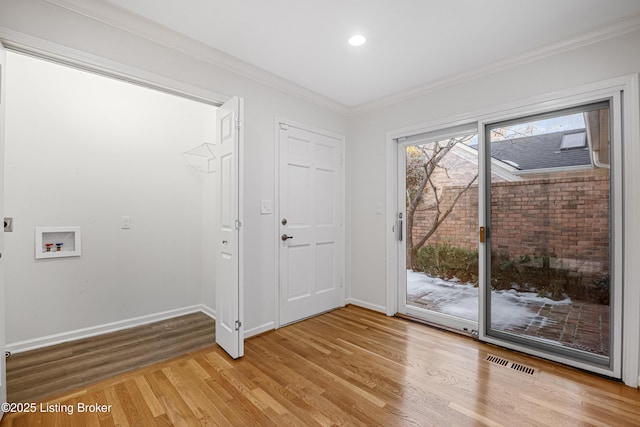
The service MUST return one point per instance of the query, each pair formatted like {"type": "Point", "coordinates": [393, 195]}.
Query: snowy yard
{"type": "Point", "coordinates": [510, 309]}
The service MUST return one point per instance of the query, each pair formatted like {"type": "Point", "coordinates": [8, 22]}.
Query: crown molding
{"type": "Point", "coordinates": [124, 20]}
{"type": "Point", "coordinates": [140, 26]}
{"type": "Point", "coordinates": [617, 28]}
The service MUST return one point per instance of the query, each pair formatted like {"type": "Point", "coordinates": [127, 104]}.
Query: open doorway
{"type": "Point", "coordinates": [104, 155]}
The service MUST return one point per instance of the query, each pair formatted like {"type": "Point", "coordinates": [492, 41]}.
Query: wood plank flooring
{"type": "Point", "coordinates": [347, 367]}
{"type": "Point", "coordinates": [36, 374]}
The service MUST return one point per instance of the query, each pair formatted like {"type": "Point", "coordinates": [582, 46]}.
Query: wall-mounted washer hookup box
{"type": "Point", "coordinates": [57, 242]}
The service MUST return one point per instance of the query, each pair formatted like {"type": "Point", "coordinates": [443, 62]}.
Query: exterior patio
{"type": "Point", "coordinates": [580, 325]}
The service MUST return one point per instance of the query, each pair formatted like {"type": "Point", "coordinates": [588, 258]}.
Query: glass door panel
{"type": "Point", "coordinates": [439, 209]}
{"type": "Point", "coordinates": [549, 262]}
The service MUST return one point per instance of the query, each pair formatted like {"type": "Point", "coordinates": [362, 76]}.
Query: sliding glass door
{"type": "Point", "coordinates": [515, 234]}
{"type": "Point", "coordinates": [549, 282]}
{"type": "Point", "coordinates": [438, 217]}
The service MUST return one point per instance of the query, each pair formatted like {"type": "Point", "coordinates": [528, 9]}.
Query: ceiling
{"type": "Point", "coordinates": [410, 43]}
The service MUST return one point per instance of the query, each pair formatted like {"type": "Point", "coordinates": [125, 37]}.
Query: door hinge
{"type": "Point", "coordinates": [238, 325]}
{"type": "Point", "coordinates": [341, 159]}
{"type": "Point", "coordinates": [238, 224]}
{"type": "Point", "coordinates": [238, 124]}
{"type": "Point", "coordinates": [284, 126]}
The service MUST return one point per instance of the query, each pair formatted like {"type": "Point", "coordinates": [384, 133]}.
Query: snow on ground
{"type": "Point", "coordinates": [509, 308]}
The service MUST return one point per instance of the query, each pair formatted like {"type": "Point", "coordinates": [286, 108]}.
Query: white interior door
{"type": "Point", "coordinates": [229, 286]}
{"type": "Point", "coordinates": [3, 370]}
{"type": "Point", "coordinates": [311, 254]}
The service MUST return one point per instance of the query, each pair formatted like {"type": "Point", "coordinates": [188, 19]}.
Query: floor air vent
{"type": "Point", "coordinates": [497, 360]}
{"type": "Point", "coordinates": [523, 369]}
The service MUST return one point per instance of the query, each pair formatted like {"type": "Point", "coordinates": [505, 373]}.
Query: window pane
{"type": "Point", "coordinates": [442, 223]}
{"type": "Point", "coordinates": [549, 271]}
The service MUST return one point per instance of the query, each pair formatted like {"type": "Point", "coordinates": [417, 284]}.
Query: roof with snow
{"type": "Point", "coordinates": [551, 150]}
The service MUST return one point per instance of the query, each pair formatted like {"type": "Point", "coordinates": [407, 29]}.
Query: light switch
{"type": "Point", "coordinates": [126, 222]}
{"type": "Point", "coordinates": [266, 207]}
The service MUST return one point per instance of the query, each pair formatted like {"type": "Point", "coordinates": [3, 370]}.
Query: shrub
{"type": "Point", "coordinates": [447, 261]}
{"type": "Point", "coordinates": [527, 273]}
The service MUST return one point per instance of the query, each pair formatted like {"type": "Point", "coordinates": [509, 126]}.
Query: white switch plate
{"type": "Point", "coordinates": [126, 222]}
{"type": "Point", "coordinates": [266, 207]}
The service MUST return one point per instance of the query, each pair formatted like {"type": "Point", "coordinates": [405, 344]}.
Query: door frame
{"type": "Point", "coordinates": [276, 206]}
{"type": "Point", "coordinates": [49, 51]}
{"type": "Point", "coordinates": [3, 343]}
{"type": "Point", "coordinates": [626, 264]}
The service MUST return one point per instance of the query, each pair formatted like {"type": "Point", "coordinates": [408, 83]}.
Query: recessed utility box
{"type": "Point", "coordinates": [57, 242]}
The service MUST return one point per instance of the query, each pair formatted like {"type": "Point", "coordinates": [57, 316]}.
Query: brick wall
{"type": "Point", "coordinates": [565, 216]}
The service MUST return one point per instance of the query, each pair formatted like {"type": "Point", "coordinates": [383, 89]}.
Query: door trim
{"type": "Point", "coordinates": [276, 208]}
{"type": "Point", "coordinates": [630, 84]}
{"type": "Point", "coordinates": [3, 320]}
{"type": "Point", "coordinates": [60, 54]}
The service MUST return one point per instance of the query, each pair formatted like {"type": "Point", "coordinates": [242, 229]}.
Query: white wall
{"type": "Point", "coordinates": [84, 150]}
{"type": "Point", "coordinates": [45, 21]}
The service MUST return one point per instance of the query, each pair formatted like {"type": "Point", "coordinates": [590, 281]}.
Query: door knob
{"type": "Point", "coordinates": [284, 237]}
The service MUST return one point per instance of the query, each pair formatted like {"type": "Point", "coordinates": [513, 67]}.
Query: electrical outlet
{"type": "Point", "coordinates": [8, 224]}
{"type": "Point", "coordinates": [126, 222]}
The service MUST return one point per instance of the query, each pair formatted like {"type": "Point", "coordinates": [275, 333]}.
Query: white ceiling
{"type": "Point", "coordinates": [410, 43]}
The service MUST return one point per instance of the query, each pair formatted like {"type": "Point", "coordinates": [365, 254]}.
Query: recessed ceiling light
{"type": "Point", "coordinates": [357, 40]}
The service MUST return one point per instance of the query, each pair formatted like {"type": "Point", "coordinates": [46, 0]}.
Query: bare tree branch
{"type": "Point", "coordinates": [425, 162]}
{"type": "Point", "coordinates": [439, 220]}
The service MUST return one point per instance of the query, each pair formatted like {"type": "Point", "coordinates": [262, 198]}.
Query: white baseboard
{"type": "Point", "coordinates": [32, 344]}
{"type": "Point", "coordinates": [208, 311]}
{"type": "Point", "coordinates": [368, 305]}
{"type": "Point", "coordinates": [259, 329]}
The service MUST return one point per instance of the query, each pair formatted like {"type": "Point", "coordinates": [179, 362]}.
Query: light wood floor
{"type": "Point", "coordinates": [349, 367]}
{"type": "Point", "coordinates": [37, 374]}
